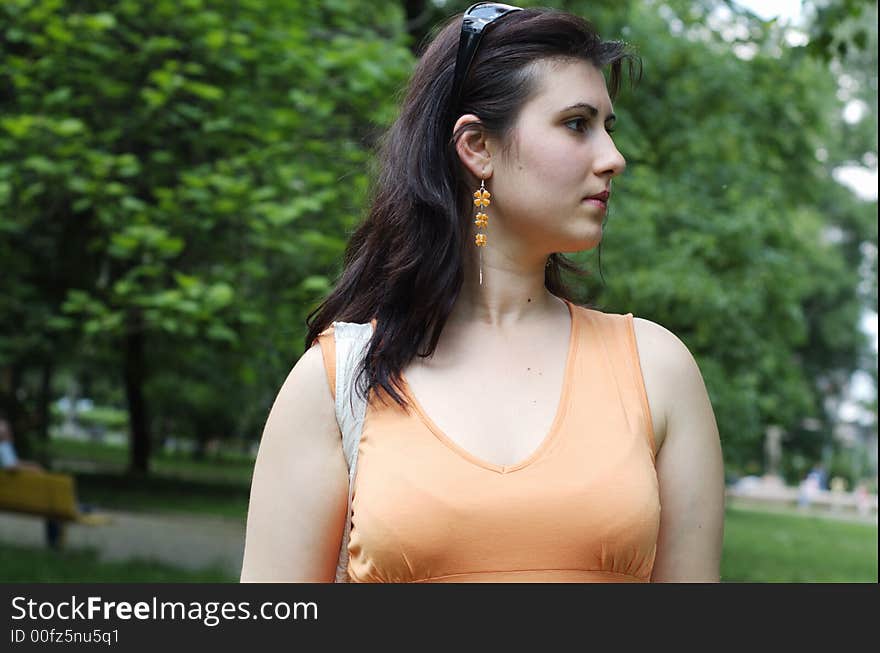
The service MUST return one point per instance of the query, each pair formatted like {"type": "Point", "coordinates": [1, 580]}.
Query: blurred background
{"type": "Point", "coordinates": [178, 181]}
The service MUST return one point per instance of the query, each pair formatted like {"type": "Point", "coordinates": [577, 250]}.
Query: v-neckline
{"type": "Point", "coordinates": [561, 409]}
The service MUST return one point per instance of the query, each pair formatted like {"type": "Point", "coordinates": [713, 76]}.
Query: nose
{"type": "Point", "coordinates": [610, 161]}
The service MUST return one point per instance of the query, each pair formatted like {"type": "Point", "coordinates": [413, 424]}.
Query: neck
{"type": "Point", "coordinates": [512, 293]}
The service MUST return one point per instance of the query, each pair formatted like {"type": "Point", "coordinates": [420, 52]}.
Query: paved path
{"type": "Point", "coordinates": [190, 542]}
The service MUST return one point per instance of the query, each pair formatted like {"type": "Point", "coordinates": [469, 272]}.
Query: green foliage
{"type": "Point", "coordinates": [184, 176]}
{"type": "Point", "coordinates": [185, 171]}
{"type": "Point", "coordinates": [826, 41]}
{"type": "Point", "coordinates": [208, 146]}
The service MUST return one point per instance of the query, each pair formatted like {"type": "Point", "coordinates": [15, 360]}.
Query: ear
{"type": "Point", "coordinates": [473, 148]}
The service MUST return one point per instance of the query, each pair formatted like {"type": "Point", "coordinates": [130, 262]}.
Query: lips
{"type": "Point", "coordinates": [602, 197]}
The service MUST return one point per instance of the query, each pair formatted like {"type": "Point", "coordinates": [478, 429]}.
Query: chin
{"type": "Point", "coordinates": [582, 243]}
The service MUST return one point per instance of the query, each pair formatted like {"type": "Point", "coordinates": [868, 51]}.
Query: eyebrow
{"type": "Point", "coordinates": [593, 111]}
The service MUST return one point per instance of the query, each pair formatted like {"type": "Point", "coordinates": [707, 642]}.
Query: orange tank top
{"type": "Point", "coordinates": [583, 507]}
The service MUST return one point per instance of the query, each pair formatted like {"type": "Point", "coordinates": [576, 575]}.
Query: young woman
{"type": "Point", "coordinates": [511, 434]}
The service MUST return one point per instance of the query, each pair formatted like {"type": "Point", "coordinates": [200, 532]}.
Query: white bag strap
{"type": "Point", "coordinates": [351, 340]}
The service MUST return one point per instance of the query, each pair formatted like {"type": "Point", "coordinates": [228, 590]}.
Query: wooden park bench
{"type": "Point", "coordinates": [45, 494]}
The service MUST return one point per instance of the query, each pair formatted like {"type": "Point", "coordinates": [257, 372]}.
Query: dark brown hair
{"type": "Point", "coordinates": [404, 264]}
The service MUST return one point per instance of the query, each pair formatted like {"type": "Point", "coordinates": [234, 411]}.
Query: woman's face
{"type": "Point", "coordinates": [562, 154]}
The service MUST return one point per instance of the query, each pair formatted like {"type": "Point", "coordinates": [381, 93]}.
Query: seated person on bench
{"type": "Point", "coordinates": [9, 461]}
{"type": "Point", "coordinates": [8, 457]}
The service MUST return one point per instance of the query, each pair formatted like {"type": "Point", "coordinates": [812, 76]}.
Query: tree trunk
{"type": "Point", "coordinates": [12, 405]}
{"type": "Point", "coordinates": [135, 374]}
{"type": "Point", "coordinates": [45, 400]}
{"type": "Point", "coordinates": [43, 405]}
{"type": "Point", "coordinates": [202, 436]}
{"type": "Point", "coordinates": [418, 20]}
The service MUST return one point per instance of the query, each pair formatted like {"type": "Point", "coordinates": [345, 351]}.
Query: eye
{"type": "Point", "coordinates": [585, 122]}
{"type": "Point", "coordinates": [581, 120]}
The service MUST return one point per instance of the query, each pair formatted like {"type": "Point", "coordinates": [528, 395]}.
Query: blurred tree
{"type": "Point", "coordinates": [194, 164]}
{"type": "Point", "coordinates": [827, 41]}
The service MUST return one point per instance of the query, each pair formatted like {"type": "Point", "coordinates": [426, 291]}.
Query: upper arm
{"type": "Point", "coordinates": [299, 492]}
{"type": "Point", "coordinates": [690, 468]}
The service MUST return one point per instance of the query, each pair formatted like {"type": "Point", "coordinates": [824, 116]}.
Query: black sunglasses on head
{"type": "Point", "coordinates": [476, 19]}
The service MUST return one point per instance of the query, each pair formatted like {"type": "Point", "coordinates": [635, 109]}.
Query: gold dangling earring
{"type": "Point", "coordinates": [481, 200]}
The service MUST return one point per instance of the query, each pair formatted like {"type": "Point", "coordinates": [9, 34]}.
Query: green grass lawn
{"type": "Point", "coordinates": [225, 467]}
{"type": "Point", "coordinates": [217, 486]}
{"type": "Point", "coordinates": [762, 547]}
{"type": "Point", "coordinates": [25, 565]}
{"type": "Point", "coordinates": [161, 494]}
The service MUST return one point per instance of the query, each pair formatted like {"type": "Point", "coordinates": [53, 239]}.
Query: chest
{"type": "Point", "coordinates": [498, 405]}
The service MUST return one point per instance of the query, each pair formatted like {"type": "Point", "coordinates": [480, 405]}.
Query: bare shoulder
{"type": "Point", "coordinates": [304, 399]}
{"type": "Point", "coordinates": [307, 382]}
{"type": "Point", "coordinates": [661, 342]}
{"type": "Point", "coordinates": [666, 364]}
{"type": "Point", "coordinates": [299, 489]}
